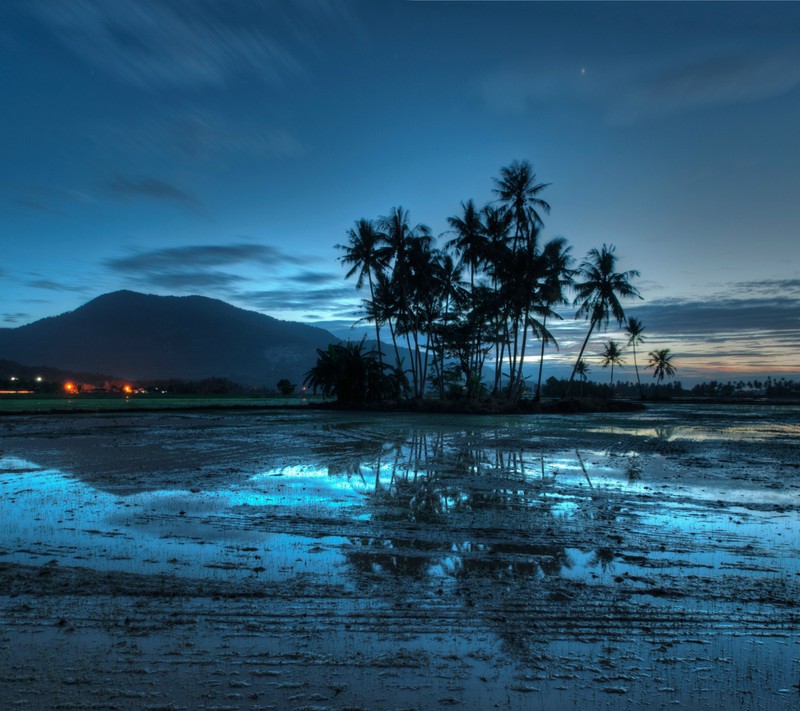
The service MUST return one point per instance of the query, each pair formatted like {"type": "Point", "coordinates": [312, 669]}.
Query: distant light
{"type": "Point", "coordinates": [39, 378]}
{"type": "Point", "coordinates": [69, 387]}
{"type": "Point", "coordinates": [128, 389]}
{"type": "Point", "coordinates": [13, 377]}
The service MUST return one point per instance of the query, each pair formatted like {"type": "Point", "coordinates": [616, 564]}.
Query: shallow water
{"type": "Point", "coordinates": [645, 557]}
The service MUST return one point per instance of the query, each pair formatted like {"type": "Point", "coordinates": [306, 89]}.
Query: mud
{"type": "Point", "coordinates": [338, 561]}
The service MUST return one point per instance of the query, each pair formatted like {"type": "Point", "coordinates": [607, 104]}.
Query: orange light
{"type": "Point", "coordinates": [69, 387]}
{"type": "Point", "coordinates": [127, 389]}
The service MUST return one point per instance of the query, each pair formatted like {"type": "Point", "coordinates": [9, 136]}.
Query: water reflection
{"type": "Point", "coordinates": [466, 511]}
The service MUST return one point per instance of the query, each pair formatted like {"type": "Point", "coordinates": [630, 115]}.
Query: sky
{"type": "Point", "coordinates": [224, 149]}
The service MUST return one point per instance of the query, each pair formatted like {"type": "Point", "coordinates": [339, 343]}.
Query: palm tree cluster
{"type": "Point", "coordinates": [486, 294]}
{"type": "Point", "coordinates": [659, 360]}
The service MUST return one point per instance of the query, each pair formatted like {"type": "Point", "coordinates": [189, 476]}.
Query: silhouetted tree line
{"type": "Point", "coordinates": [771, 388]}
{"type": "Point", "coordinates": [554, 387]}
{"type": "Point", "coordinates": [768, 388]}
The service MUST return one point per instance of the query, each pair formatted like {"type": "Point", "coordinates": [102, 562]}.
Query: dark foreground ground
{"type": "Point", "coordinates": [323, 560]}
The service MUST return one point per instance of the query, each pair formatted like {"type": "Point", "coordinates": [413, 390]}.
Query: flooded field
{"type": "Point", "coordinates": [318, 560]}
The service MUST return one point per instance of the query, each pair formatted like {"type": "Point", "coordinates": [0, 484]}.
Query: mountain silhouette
{"type": "Point", "coordinates": [145, 337]}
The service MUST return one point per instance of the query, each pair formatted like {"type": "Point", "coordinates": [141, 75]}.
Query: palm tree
{"type": "Point", "coordinates": [557, 277]}
{"type": "Point", "coordinates": [400, 239]}
{"type": "Point", "coordinates": [498, 223]}
{"type": "Point", "coordinates": [365, 256]}
{"type": "Point", "coordinates": [661, 363]}
{"type": "Point", "coordinates": [633, 330]}
{"type": "Point", "coordinates": [582, 368]}
{"type": "Point", "coordinates": [518, 191]}
{"type": "Point", "coordinates": [612, 355]}
{"type": "Point", "coordinates": [470, 240]}
{"type": "Point", "coordinates": [598, 295]}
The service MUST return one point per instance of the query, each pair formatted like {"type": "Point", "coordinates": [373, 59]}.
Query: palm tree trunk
{"type": "Point", "coordinates": [541, 362]}
{"type": "Point", "coordinates": [635, 365]}
{"type": "Point", "coordinates": [513, 387]}
{"type": "Point", "coordinates": [413, 364]}
{"type": "Point", "coordinates": [377, 328]}
{"type": "Point", "coordinates": [425, 360]}
{"type": "Point", "coordinates": [394, 343]}
{"type": "Point", "coordinates": [518, 383]}
{"type": "Point", "coordinates": [580, 355]}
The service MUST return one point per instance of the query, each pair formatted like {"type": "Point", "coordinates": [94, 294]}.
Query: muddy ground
{"type": "Point", "coordinates": [320, 560]}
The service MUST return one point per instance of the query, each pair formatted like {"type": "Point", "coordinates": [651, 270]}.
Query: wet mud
{"type": "Point", "coordinates": [323, 560]}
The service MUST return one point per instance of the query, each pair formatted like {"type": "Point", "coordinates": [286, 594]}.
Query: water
{"type": "Point", "coordinates": [471, 541]}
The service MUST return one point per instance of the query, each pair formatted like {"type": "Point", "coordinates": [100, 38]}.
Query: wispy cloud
{"type": "Point", "coordinates": [51, 285]}
{"type": "Point", "coordinates": [151, 189]}
{"type": "Point", "coordinates": [770, 287]}
{"type": "Point", "coordinates": [192, 43]}
{"type": "Point", "coordinates": [716, 81]}
{"type": "Point", "coordinates": [298, 300]}
{"type": "Point", "coordinates": [315, 278]}
{"type": "Point", "coordinates": [226, 269]}
{"type": "Point", "coordinates": [627, 93]}
{"type": "Point", "coordinates": [197, 256]}
{"type": "Point", "coordinates": [203, 134]}
{"type": "Point", "coordinates": [189, 281]}
{"type": "Point", "coordinates": [15, 318]}
{"type": "Point", "coordinates": [179, 43]}
{"type": "Point", "coordinates": [37, 206]}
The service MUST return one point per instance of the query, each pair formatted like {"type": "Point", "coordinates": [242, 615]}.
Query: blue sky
{"type": "Point", "coordinates": [223, 149]}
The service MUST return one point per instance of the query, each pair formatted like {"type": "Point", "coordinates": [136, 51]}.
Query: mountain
{"type": "Point", "coordinates": [146, 337]}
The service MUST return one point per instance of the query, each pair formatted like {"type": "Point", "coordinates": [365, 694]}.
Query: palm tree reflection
{"type": "Point", "coordinates": [445, 505]}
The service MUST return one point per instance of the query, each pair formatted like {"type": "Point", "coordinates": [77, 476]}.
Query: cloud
{"type": "Point", "coordinates": [770, 287]}
{"type": "Point", "coordinates": [16, 317]}
{"type": "Point", "coordinates": [189, 281]}
{"type": "Point", "coordinates": [311, 278]}
{"type": "Point", "coordinates": [722, 315]}
{"type": "Point", "coordinates": [190, 43]}
{"type": "Point", "coordinates": [203, 134]}
{"type": "Point", "coordinates": [54, 286]}
{"type": "Point", "coordinates": [197, 256]}
{"type": "Point", "coordinates": [627, 92]}
{"type": "Point", "coordinates": [146, 42]}
{"type": "Point", "coordinates": [219, 269]}
{"type": "Point", "coordinates": [37, 206]}
{"type": "Point", "coordinates": [272, 300]}
{"type": "Point", "coordinates": [152, 189]}
{"type": "Point", "coordinates": [716, 81]}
